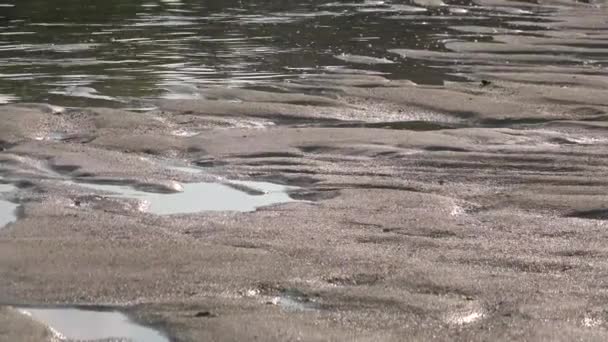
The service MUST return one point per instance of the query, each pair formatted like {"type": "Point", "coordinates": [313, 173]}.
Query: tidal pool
{"type": "Point", "coordinates": [88, 325]}
{"type": "Point", "coordinates": [8, 210]}
{"type": "Point", "coordinates": [294, 300]}
{"type": "Point", "coordinates": [205, 196]}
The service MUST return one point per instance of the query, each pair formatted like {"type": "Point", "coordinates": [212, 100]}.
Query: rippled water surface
{"type": "Point", "coordinates": [78, 52]}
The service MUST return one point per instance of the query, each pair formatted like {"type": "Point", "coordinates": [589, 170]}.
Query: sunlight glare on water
{"type": "Point", "coordinates": [88, 325]}
{"type": "Point", "coordinates": [7, 209]}
{"type": "Point", "coordinates": [108, 52]}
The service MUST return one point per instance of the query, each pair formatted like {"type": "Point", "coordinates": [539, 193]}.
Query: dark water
{"type": "Point", "coordinates": [74, 52]}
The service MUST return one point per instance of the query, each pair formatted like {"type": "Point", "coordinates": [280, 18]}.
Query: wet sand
{"type": "Point", "coordinates": [15, 327]}
{"type": "Point", "coordinates": [471, 211]}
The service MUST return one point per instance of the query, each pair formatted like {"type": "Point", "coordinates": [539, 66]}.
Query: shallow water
{"type": "Point", "coordinates": [293, 300]}
{"type": "Point", "coordinates": [88, 325]}
{"type": "Point", "coordinates": [8, 210]}
{"type": "Point", "coordinates": [112, 51]}
{"type": "Point", "coordinates": [196, 197]}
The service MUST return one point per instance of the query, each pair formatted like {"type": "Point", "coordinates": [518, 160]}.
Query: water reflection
{"type": "Point", "coordinates": [138, 48]}
{"type": "Point", "coordinates": [195, 197]}
{"type": "Point", "coordinates": [8, 210]}
{"type": "Point", "coordinates": [88, 325]}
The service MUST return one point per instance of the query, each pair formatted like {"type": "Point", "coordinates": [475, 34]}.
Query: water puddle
{"type": "Point", "coordinates": [466, 317]}
{"type": "Point", "coordinates": [469, 314]}
{"type": "Point", "coordinates": [184, 133]}
{"type": "Point", "coordinates": [87, 325]}
{"type": "Point", "coordinates": [243, 196]}
{"type": "Point", "coordinates": [8, 210]}
{"type": "Point", "coordinates": [53, 136]}
{"type": "Point", "coordinates": [294, 300]}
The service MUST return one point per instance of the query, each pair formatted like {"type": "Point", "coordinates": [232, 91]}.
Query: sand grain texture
{"type": "Point", "coordinates": [484, 220]}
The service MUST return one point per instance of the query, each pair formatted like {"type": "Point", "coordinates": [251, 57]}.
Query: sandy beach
{"type": "Point", "coordinates": [469, 211]}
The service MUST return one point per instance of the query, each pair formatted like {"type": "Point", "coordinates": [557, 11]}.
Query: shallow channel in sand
{"type": "Point", "coordinates": [88, 325]}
